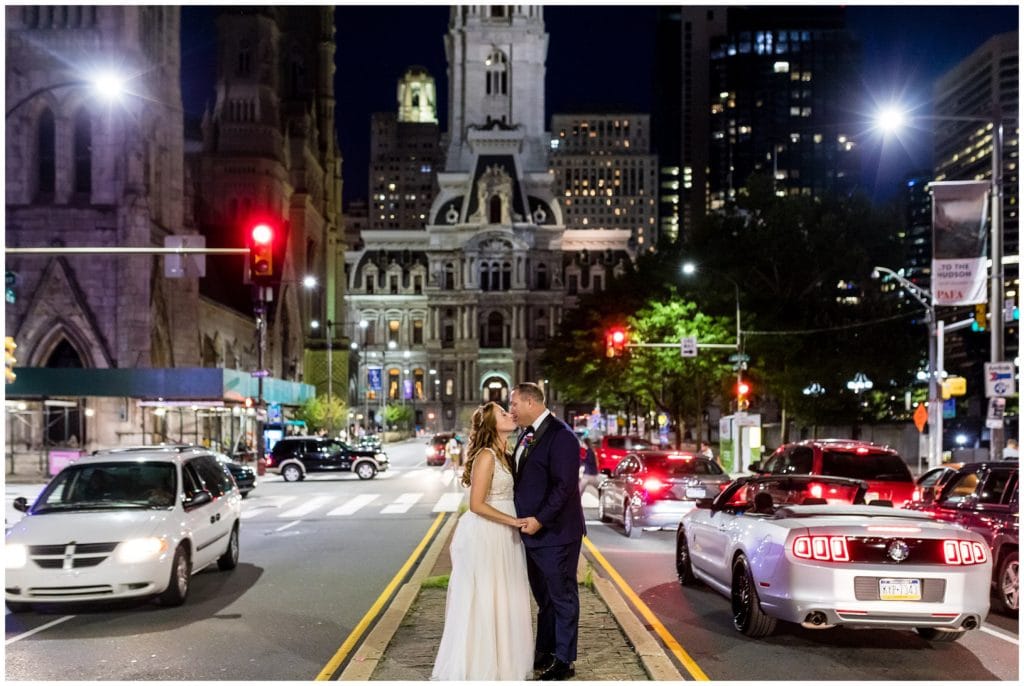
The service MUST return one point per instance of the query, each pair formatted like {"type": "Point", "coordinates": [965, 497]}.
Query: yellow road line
{"type": "Point", "coordinates": [684, 658]}
{"type": "Point", "coordinates": [353, 638]}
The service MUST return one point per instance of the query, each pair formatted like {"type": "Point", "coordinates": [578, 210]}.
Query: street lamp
{"type": "Point", "coordinates": [860, 382]}
{"type": "Point", "coordinates": [108, 85]}
{"type": "Point", "coordinates": [363, 324]}
{"type": "Point", "coordinates": [889, 119]}
{"type": "Point", "coordinates": [934, 410]}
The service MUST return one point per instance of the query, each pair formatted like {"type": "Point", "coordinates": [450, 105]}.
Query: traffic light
{"type": "Point", "coordinates": [9, 359]}
{"type": "Point", "coordinates": [615, 341]}
{"type": "Point", "coordinates": [742, 395]}
{"type": "Point", "coordinates": [979, 317]}
{"type": "Point", "coordinates": [261, 236]}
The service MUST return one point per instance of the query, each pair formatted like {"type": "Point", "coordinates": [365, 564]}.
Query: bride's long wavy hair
{"type": "Point", "coordinates": [483, 433]}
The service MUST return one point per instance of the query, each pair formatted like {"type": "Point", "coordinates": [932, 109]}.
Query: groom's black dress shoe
{"type": "Point", "coordinates": [543, 661]}
{"type": "Point", "coordinates": [559, 671]}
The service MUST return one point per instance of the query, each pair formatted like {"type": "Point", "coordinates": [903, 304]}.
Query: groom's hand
{"type": "Point", "coordinates": [531, 526]}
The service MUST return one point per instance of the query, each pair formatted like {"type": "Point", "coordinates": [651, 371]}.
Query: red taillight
{"type": "Point", "coordinates": [964, 553]}
{"type": "Point", "coordinates": [823, 548]}
{"type": "Point", "coordinates": [722, 486]}
{"type": "Point", "coordinates": [653, 483]}
{"type": "Point", "coordinates": [916, 495]}
{"type": "Point", "coordinates": [815, 490]}
{"type": "Point", "coordinates": [269, 459]}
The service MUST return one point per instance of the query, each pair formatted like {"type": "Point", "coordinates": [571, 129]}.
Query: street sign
{"type": "Point", "coordinates": [996, 411]}
{"type": "Point", "coordinates": [999, 380]}
{"type": "Point", "coordinates": [949, 409]}
{"type": "Point", "coordinates": [739, 357]}
{"type": "Point", "coordinates": [260, 373]}
{"type": "Point", "coordinates": [920, 417]}
{"type": "Point", "coordinates": [274, 413]}
{"type": "Point", "coordinates": [688, 346]}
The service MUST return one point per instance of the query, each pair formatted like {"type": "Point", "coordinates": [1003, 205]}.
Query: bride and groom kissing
{"type": "Point", "coordinates": [522, 533]}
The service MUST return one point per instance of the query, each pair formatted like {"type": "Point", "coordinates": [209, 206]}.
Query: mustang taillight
{"type": "Point", "coordinates": [963, 553]}
{"type": "Point", "coordinates": [653, 483]}
{"type": "Point", "coordinates": [824, 548]}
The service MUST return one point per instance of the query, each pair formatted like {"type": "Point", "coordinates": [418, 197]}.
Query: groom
{"type": "Point", "coordinates": [547, 458]}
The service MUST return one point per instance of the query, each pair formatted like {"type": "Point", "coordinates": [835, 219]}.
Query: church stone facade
{"type": "Point", "coordinates": [458, 312]}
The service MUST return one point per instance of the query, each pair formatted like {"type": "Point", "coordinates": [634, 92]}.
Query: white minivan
{"type": "Point", "coordinates": [123, 523]}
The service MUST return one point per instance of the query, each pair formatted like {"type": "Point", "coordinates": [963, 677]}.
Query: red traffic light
{"type": "Point", "coordinates": [263, 238]}
{"type": "Point", "coordinates": [742, 389]}
{"type": "Point", "coordinates": [615, 341]}
{"type": "Point", "coordinates": [262, 234]}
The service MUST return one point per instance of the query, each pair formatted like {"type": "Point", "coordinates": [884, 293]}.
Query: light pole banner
{"type": "Point", "coordinates": [959, 212]}
{"type": "Point", "coordinates": [373, 378]}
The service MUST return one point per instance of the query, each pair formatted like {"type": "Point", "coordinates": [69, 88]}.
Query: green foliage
{"type": "Point", "coordinates": [321, 412]}
{"type": "Point", "coordinates": [399, 416]}
{"type": "Point", "coordinates": [435, 581]}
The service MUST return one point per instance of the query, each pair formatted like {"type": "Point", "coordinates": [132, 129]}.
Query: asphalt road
{"type": "Point", "coordinates": [700, 620]}
{"type": "Point", "coordinates": [315, 555]}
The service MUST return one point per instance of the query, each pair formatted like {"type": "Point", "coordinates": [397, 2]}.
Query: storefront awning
{"type": "Point", "coordinates": [186, 383]}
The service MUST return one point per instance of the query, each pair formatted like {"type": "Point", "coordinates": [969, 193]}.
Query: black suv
{"type": "Point", "coordinates": [293, 457]}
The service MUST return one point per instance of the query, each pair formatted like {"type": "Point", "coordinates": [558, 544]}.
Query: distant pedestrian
{"type": "Point", "coordinates": [1010, 452]}
{"type": "Point", "coordinates": [589, 476]}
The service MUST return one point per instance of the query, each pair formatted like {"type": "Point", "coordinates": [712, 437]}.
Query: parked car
{"type": "Point", "coordinates": [886, 473]}
{"type": "Point", "coordinates": [827, 565]}
{"type": "Point", "coordinates": [928, 485]}
{"type": "Point", "coordinates": [243, 475]}
{"type": "Point", "coordinates": [649, 488]}
{"type": "Point", "coordinates": [437, 448]}
{"type": "Point", "coordinates": [613, 448]}
{"type": "Point", "coordinates": [294, 456]}
{"type": "Point", "coordinates": [123, 523]}
{"type": "Point", "coordinates": [983, 498]}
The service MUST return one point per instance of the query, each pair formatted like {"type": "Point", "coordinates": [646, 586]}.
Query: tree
{"type": "Point", "coordinates": [398, 415]}
{"type": "Point", "coordinates": [323, 413]}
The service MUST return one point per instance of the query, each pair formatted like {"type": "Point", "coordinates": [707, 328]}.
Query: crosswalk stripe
{"type": "Point", "coordinates": [270, 502]}
{"type": "Point", "coordinates": [449, 502]}
{"type": "Point", "coordinates": [307, 507]}
{"type": "Point", "coordinates": [353, 505]}
{"type": "Point", "coordinates": [447, 476]}
{"type": "Point", "coordinates": [402, 504]}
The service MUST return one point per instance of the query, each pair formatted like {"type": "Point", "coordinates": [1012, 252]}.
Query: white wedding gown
{"type": "Point", "coordinates": [488, 632]}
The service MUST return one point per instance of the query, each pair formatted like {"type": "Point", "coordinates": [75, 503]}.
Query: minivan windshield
{"type": "Point", "coordinates": [866, 466]}
{"type": "Point", "coordinates": [110, 485]}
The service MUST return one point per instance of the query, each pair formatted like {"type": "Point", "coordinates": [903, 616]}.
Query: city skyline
{"type": "Point", "coordinates": [895, 62]}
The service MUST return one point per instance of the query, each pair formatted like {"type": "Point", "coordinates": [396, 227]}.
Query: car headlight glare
{"type": "Point", "coordinates": [141, 549]}
{"type": "Point", "coordinates": [15, 556]}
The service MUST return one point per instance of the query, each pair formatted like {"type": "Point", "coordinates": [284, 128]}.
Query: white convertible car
{"type": "Point", "coordinates": [805, 549]}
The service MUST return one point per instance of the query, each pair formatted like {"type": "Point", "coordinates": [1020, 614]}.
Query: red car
{"type": "Point", "coordinates": [614, 448]}
{"type": "Point", "coordinates": [983, 497]}
{"type": "Point", "coordinates": [436, 452]}
{"type": "Point", "coordinates": [885, 472]}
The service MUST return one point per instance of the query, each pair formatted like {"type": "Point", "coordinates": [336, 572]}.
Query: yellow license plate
{"type": "Point", "coordinates": [899, 589]}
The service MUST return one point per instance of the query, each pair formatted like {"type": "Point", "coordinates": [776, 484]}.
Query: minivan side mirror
{"type": "Point", "coordinates": [21, 504]}
{"type": "Point", "coordinates": [200, 498]}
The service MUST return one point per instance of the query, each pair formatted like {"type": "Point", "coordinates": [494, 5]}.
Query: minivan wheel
{"type": "Point", "coordinates": [291, 472]}
{"type": "Point", "coordinates": [366, 470]}
{"type": "Point", "coordinates": [229, 560]}
{"type": "Point", "coordinates": [181, 575]}
{"type": "Point", "coordinates": [15, 606]}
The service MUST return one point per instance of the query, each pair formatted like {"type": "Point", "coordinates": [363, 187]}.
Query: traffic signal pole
{"type": "Point", "coordinates": [260, 309]}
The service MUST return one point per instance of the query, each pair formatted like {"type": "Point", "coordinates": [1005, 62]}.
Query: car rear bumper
{"type": "Point", "coordinates": [661, 513]}
{"type": "Point", "coordinates": [952, 597]}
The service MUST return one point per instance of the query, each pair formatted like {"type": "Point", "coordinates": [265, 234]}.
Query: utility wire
{"type": "Point", "coordinates": [831, 328]}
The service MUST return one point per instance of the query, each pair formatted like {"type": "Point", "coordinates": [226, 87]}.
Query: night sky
{"type": "Point", "coordinates": [607, 63]}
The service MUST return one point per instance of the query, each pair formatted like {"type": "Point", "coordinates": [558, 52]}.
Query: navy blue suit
{"type": "Point", "coordinates": [547, 487]}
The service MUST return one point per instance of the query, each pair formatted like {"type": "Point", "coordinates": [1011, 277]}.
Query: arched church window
{"type": "Point", "coordinates": [494, 331]}
{"type": "Point", "coordinates": [542, 277]}
{"type": "Point", "coordinates": [64, 356]}
{"type": "Point", "coordinates": [497, 70]}
{"type": "Point", "coordinates": [449, 277]}
{"type": "Point", "coordinates": [494, 210]}
{"type": "Point", "coordinates": [83, 152]}
{"type": "Point", "coordinates": [485, 282]}
{"type": "Point", "coordinates": [46, 156]}
{"type": "Point", "coordinates": [506, 276]}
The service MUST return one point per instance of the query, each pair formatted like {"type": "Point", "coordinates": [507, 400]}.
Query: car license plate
{"type": "Point", "coordinates": [899, 589]}
{"type": "Point", "coordinates": [870, 495]}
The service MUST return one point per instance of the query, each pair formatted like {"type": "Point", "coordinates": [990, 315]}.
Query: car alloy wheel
{"type": "Point", "coordinates": [291, 472]}
{"type": "Point", "coordinates": [1008, 584]}
{"type": "Point", "coordinates": [747, 615]}
{"type": "Point", "coordinates": [684, 567]}
{"type": "Point", "coordinates": [628, 525]}
{"type": "Point", "coordinates": [366, 470]}
{"type": "Point", "coordinates": [601, 514]}
{"type": "Point", "coordinates": [181, 574]}
{"type": "Point", "coordinates": [229, 560]}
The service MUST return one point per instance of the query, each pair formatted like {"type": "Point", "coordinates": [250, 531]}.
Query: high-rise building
{"type": "Point", "coordinates": [405, 156]}
{"type": "Point", "coordinates": [606, 175]}
{"type": "Point", "coordinates": [916, 203]}
{"type": "Point", "coordinates": [782, 87]}
{"type": "Point", "coordinates": [456, 314]}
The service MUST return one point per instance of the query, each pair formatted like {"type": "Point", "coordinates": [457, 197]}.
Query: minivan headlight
{"type": "Point", "coordinates": [15, 555]}
{"type": "Point", "coordinates": [140, 549]}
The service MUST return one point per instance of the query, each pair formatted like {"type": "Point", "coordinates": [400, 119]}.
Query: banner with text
{"type": "Point", "coordinates": [959, 213]}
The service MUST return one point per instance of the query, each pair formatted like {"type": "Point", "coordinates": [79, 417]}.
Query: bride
{"type": "Point", "coordinates": [487, 625]}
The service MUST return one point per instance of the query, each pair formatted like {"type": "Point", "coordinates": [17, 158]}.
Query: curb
{"type": "Point", "coordinates": [365, 660]}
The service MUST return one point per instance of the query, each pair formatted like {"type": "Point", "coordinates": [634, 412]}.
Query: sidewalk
{"type": "Point", "coordinates": [613, 644]}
